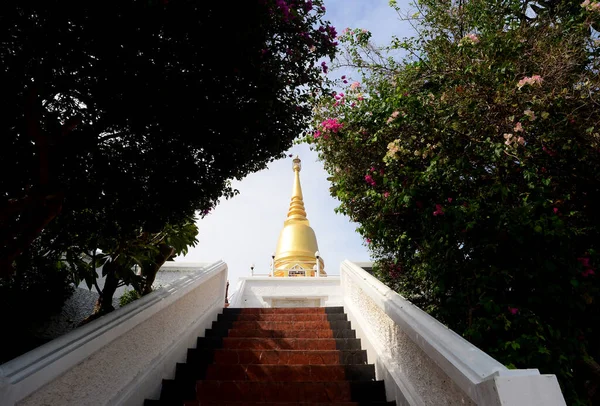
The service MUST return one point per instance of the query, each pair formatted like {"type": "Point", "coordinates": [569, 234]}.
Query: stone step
{"type": "Point", "coordinates": [277, 357]}
{"type": "Point", "coordinates": [325, 333]}
{"type": "Point", "coordinates": [190, 373]}
{"type": "Point", "coordinates": [288, 373]}
{"type": "Point", "coordinates": [282, 325]}
{"type": "Point", "coordinates": [251, 391]}
{"type": "Point", "coordinates": [279, 343]}
{"type": "Point", "coordinates": [283, 317]}
{"type": "Point", "coordinates": [285, 310]}
{"type": "Point", "coordinates": [199, 403]}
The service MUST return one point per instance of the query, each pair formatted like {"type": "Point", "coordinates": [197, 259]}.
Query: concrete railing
{"type": "Point", "coordinates": [423, 362]}
{"type": "Point", "coordinates": [120, 358]}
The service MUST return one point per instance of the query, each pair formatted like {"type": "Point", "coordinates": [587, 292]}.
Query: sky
{"type": "Point", "coordinates": [244, 230]}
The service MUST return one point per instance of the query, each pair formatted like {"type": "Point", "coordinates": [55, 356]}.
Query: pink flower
{"type": "Point", "coordinates": [439, 211]}
{"type": "Point", "coordinates": [513, 310]}
{"type": "Point", "coordinates": [533, 80]}
{"type": "Point", "coordinates": [588, 272]}
{"type": "Point", "coordinates": [331, 124]}
{"type": "Point", "coordinates": [373, 169]}
{"type": "Point", "coordinates": [585, 261]}
{"type": "Point", "coordinates": [368, 240]}
{"type": "Point", "coordinates": [470, 38]}
{"type": "Point", "coordinates": [392, 117]}
{"type": "Point", "coordinates": [317, 134]}
{"type": "Point", "coordinates": [555, 210]}
{"type": "Point", "coordinates": [354, 85]}
{"type": "Point", "coordinates": [518, 127]}
{"type": "Point", "coordinates": [521, 141]}
{"type": "Point", "coordinates": [386, 194]}
{"type": "Point", "coordinates": [449, 200]}
{"type": "Point", "coordinates": [369, 179]}
{"type": "Point", "coordinates": [530, 114]}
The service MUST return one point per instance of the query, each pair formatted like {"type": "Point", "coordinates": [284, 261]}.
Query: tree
{"type": "Point", "coordinates": [124, 119]}
{"type": "Point", "coordinates": [472, 167]}
{"type": "Point", "coordinates": [119, 108]}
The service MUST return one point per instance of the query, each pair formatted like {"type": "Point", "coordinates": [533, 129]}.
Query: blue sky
{"type": "Point", "coordinates": [244, 230]}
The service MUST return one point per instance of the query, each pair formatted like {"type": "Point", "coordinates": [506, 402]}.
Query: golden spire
{"type": "Point", "coordinates": [296, 213]}
{"type": "Point", "coordinates": [297, 245]}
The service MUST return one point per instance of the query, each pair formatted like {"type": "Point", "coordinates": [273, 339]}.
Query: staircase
{"type": "Point", "coordinates": [275, 356]}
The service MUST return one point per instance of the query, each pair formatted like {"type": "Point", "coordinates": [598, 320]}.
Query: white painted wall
{"type": "Point", "coordinates": [122, 357]}
{"type": "Point", "coordinates": [260, 291]}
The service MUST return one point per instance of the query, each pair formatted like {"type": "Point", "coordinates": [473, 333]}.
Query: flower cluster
{"type": "Point", "coordinates": [588, 271]}
{"type": "Point", "coordinates": [471, 39]}
{"type": "Point", "coordinates": [331, 125]}
{"type": "Point", "coordinates": [531, 81]}
{"type": "Point", "coordinates": [392, 117]}
{"type": "Point", "coordinates": [439, 210]}
{"type": "Point", "coordinates": [591, 6]}
{"type": "Point", "coordinates": [369, 179]}
{"type": "Point", "coordinates": [511, 139]}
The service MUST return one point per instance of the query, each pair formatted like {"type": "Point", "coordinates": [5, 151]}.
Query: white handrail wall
{"type": "Point", "coordinates": [425, 363]}
{"type": "Point", "coordinates": [122, 357]}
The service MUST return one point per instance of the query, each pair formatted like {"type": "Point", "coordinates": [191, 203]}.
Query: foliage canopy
{"type": "Point", "coordinates": [473, 169]}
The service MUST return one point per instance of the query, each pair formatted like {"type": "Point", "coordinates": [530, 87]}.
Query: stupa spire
{"type": "Point", "coordinates": [297, 212]}
{"type": "Point", "coordinates": [297, 245]}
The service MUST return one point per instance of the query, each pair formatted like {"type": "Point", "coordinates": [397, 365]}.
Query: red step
{"type": "Point", "coordinates": [288, 357]}
{"type": "Point", "coordinates": [288, 317]}
{"type": "Point", "coordinates": [274, 391]}
{"type": "Point", "coordinates": [290, 373]}
{"type": "Point", "coordinates": [325, 333]}
{"type": "Point", "coordinates": [281, 325]}
{"type": "Point", "coordinates": [276, 356]}
{"type": "Point", "coordinates": [276, 310]}
{"type": "Point", "coordinates": [279, 343]}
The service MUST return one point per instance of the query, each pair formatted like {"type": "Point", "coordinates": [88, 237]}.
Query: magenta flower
{"type": "Point", "coordinates": [324, 67]}
{"type": "Point", "coordinates": [588, 272]}
{"type": "Point", "coordinates": [439, 210]}
{"type": "Point", "coordinates": [555, 210]}
{"type": "Point", "coordinates": [513, 310]}
{"type": "Point", "coordinates": [449, 200]}
{"type": "Point", "coordinates": [368, 240]}
{"type": "Point", "coordinates": [585, 261]}
{"type": "Point", "coordinates": [317, 134]}
{"type": "Point", "coordinates": [369, 179]}
{"type": "Point", "coordinates": [386, 194]}
{"type": "Point", "coordinates": [331, 124]}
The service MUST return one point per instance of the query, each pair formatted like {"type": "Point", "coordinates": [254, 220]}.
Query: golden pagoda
{"type": "Point", "coordinates": [297, 251]}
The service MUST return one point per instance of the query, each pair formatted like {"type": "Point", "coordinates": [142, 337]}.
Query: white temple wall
{"type": "Point", "coordinates": [260, 291]}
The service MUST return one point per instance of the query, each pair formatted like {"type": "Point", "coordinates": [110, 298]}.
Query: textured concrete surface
{"type": "Point", "coordinates": [81, 304]}
{"type": "Point", "coordinates": [404, 359]}
{"type": "Point", "coordinates": [104, 376]}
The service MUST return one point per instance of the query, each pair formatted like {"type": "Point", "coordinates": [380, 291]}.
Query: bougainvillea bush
{"type": "Point", "coordinates": [472, 166]}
